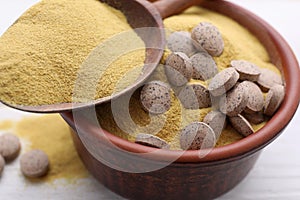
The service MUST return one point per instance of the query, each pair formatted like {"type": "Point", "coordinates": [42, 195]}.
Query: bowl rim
{"type": "Point", "coordinates": [249, 144]}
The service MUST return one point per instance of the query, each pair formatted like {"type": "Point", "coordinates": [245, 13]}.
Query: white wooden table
{"type": "Point", "coordinates": [276, 174]}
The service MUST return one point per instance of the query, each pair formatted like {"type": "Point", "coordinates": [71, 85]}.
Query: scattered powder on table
{"type": "Point", "coordinates": [6, 125]}
{"type": "Point", "coordinates": [43, 51]}
{"type": "Point", "coordinates": [52, 135]}
{"type": "Point", "coordinates": [239, 44]}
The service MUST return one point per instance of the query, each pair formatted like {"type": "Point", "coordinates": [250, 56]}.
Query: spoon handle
{"type": "Point", "coordinates": [167, 8]}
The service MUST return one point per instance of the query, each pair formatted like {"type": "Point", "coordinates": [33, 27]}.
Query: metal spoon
{"type": "Point", "coordinates": [139, 13]}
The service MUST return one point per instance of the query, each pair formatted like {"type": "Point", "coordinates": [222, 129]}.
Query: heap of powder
{"type": "Point", "coordinates": [239, 44]}
{"type": "Point", "coordinates": [52, 135]}
{"type": "Point", "coordinates": [43, 51]}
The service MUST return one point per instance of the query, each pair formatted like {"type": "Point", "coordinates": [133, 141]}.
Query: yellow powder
{"type": "Point", "coordinates": [43, 51]}
{"type": "Point", "coordinates": [239, 44]}
{"type": "Point", "coordinates": [51, 134]}
{"type": "Point", "coordinates": [6, 125]}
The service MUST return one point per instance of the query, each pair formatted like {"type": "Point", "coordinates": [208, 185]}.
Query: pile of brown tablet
{"type": "Point", "coordinates": [236, 93]}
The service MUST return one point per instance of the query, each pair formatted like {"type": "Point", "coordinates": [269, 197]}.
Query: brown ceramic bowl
{"type": "Point", "coordinates": [127, 168]}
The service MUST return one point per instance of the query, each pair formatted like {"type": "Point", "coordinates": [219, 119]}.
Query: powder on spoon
{"type": "Point", "coordinates": [43, 51]}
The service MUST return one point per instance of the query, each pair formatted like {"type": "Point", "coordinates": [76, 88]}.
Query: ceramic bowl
{"type": "Point", "coordinates": [139, 172]}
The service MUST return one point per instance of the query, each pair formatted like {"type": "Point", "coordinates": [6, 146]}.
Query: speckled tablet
{"type": "Point", "coordinates": [194, 96]}
{"type": "Point", "coordinates": [216, 120]}
{"type": "Point", "coordinates": [241, 125]}
{"type": "Point", "coordinates": [9, 146]}
{"type": "Point", "coordinates": [181, 41]}
{"type": "Point", "coordinates": [208, 37]}
{"type": "Point", "coordinates": [34, 164]}
{"type": "Point", "coordinates": [274, 99]}
{"type": "Point", "coordinates": [2, 164]}
{"type": "Point", "coordinates": [223, 81]}
{"type": "Point", "coordinates": [178, 69]}
{"type": "Point", "coordinates": [197, 135]}
{"type": "Point", "coordinates": [155, 97]}
{"type": "Point", "coordinates": [247, 70]}
{"type": "Point", "coordinates": [255, 97]}
{"type": "Point", "coordinates": [235, 102]}
{"type": "Point", "coordinates": [151, 141]}
{"type": "Point", "coordinates": [268, 79]}
{"type": "Point", "coordinates": [254, 118]}
{"type": "Point", "coordinates": [204, 66]}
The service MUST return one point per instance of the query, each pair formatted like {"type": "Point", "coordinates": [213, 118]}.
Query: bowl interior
{"type": "Point", "coordinates": [281, 55]}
